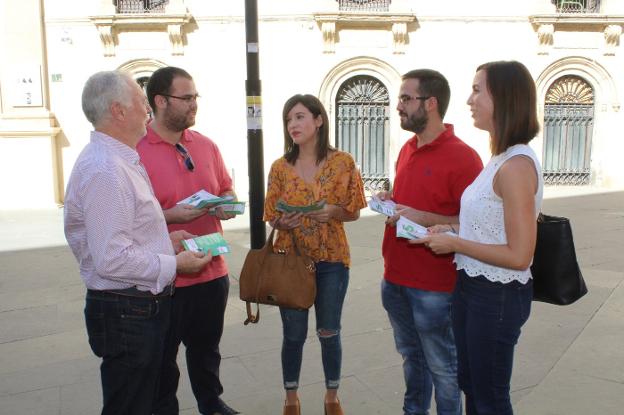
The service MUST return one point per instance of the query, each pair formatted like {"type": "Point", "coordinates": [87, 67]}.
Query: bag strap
{"type": "Point", "coordinates": [294, 241]}
{"type": "Point", "coordinates": [250, 317]}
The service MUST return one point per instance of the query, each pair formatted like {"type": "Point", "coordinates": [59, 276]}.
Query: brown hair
{"type": "Point", "coordinates": [515, 105]}
{"type": "Point", "coordinates": [160, 83]}
{"type": "Point", "coordinates": [432, 84]}
{"type": "Point", "coordinates": [312, 103]}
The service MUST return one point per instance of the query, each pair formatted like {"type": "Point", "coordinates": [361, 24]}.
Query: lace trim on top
{"type": "Point", "coordinates": [481, 217]}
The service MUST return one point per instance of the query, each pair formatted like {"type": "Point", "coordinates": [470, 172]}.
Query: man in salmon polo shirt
{"type": "Point", "coordinates": [432, 171]}
{"type": "Point", "coordinates": [180, 162]}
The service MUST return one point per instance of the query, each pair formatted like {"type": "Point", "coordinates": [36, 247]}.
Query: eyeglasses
{"type": "Point", "coordinates": [404, 99]}
{"type": "Point", "coordinates": [186, 98]}
{"type": "Point", "coordinates": [188, 160]}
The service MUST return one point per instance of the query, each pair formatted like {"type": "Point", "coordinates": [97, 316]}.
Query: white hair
{"type": "Point", "coordinates": [101, 90]}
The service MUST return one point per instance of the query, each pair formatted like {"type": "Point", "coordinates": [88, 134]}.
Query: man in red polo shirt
{"type": "Point", "coordinates": [432, 171]}
{"type": "Point", "coordinates": [180, 162]}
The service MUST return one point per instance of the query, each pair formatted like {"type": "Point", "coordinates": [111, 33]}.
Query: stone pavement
{"type": "Point", "coordinates": [570, 360]}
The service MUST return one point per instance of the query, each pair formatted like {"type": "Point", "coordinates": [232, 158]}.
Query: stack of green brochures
{"type": "Point", "coordinates": [237, 208]}
{"type": "Point", "coordinates": [386, 207]}
{"type": "Point", "coordinates": [213, 242]}
{"type": "Point", "coordinates": [203, 198]}
{"type": "Point", "coordinates": [286, 208]}
{"type": "Point", "coordinates": [405, 228]}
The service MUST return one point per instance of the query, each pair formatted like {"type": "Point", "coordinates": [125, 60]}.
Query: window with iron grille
{"type": "Point", "coordinates": [140, 6]}
{"type": "Point", "coordinates": [568, 128]}
{"type": "Point", "coordinates": [362, 127]}
{"type": "Point", "coordinates": [577, 6]}
{"type": "Point", "coordinates": [363, 5]}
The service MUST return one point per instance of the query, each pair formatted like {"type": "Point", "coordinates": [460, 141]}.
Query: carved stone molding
{"type": "Point", "coordinates": [397, 23]}
{"type": "Point", "coordinates": [176, 37]}
{"type": "Point", "coordinates": [172, 21]}
{"type": "Point", "coordinates": [612, 35]}
{"type": "Point", "coordinates": [107, 37]}
{"type": "Point", "coordinates": [610, 25]}
{"type": "Point", "coordinates": [594, 22]}
{"type": "Point", "coordinates": [399, 35]}
{"type": "Point", "coordinates": [545, 34]}
{"type": "Point", "coordinates": [329, 36]}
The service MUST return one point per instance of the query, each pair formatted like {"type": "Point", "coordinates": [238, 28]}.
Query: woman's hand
{"type": "Point", "coordinates": [384, 195]}
{"type": "Point", "coordinates": [439, 243]}
{"type": "Point", "coordinates": [443, 228]}
{"type": "Point", "coordinates": [324, 215]}
{"type": "Point", "coordinates": [287, 221]}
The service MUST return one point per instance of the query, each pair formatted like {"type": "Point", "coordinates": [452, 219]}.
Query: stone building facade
{"type": "Point", "coordinates": [350, 53]}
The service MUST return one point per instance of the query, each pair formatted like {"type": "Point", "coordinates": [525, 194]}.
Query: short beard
{"type": "Point", "coordinates": [416, 122]}
{"type": "Point", "coordinates": [177, 123]}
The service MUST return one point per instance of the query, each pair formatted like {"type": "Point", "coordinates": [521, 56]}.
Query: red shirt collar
{"type": "Point", "coordinates": [448, 133]}
{"type": "Point", "coordinates": [153, 137]}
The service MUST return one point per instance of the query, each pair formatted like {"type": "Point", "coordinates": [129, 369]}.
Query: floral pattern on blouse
{"type": "Point", "coordinates": [338, 182]}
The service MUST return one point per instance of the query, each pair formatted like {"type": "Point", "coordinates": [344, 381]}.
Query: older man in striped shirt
{"type": "Point", "coordinates": [117, 231]}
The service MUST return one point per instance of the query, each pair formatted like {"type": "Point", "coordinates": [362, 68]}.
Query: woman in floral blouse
{"type": "Point", "coordinates": [312, 172]}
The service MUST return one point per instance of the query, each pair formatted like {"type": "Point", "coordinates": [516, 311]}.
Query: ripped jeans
{"type": "Point", "coordinates": [332, 279]}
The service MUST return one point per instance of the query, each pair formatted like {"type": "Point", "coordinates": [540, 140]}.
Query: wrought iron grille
{"type": "Point", "coordinates": [567, 144]}
{"type": "Point", "coordinates": [362, 126]}
{"type": "Point", "coordinates": [577, 6]}
{"type": "Point", "coordinates": [364, 5]}
{"type": "Point", "coordinates": [140, 6]}
{"type": "Point", "coordinates": [568, 128]}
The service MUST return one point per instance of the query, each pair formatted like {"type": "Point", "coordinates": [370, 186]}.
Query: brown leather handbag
{"type": "Point", "coordinates": [281, 279]}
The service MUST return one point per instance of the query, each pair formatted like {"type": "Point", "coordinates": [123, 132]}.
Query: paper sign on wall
{"type": "Point", "coordinates": [254, 113]}
{"type": "Point", "coordinates": [26, 86]}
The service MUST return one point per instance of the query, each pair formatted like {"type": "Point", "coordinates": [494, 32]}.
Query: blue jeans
{"type": "Point", "coordinates": [487, 317]}
{"type": "Point", "coordinates": [332, 279]}
{"type": "Point", "coordinates": [128, 334]}
{"type": "Point", "coordinates": [421, 323]}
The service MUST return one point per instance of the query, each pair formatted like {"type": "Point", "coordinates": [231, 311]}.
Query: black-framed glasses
{"type": "Point", "coordinates": [404, 99]}
{"type": "Point", "coordinates": [186, 98]}
{"type": "Point", "coordinates": [188, 160]}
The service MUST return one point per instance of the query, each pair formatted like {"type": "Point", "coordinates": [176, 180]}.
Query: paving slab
{"type": "Point", "coordinates": [569, 360]}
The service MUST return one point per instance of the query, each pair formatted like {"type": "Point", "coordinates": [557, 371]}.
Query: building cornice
{"type": "Point", "coordinates": [546, 25]}
{"type": "Point", "coordinates": [563, 21]}
{"type": "Point", "coordinates": [46, 133]}
{"type": "Point", "coordinates": [331, 23]}
{"type": "Point", "coordinates": [108, 26]}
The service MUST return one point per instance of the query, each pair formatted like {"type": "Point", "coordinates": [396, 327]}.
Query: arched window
{"type": "Point", "coordinates": [362, 107]}
{"type": "Point", "coordinates": [568, 127]}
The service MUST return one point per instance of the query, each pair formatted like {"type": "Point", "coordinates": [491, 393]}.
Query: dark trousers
{"type": "Point", "coordinates": [487, 318]}
{"type": "Point", "coordinates": [197, 321]}
{"type": "Point", "coordinates": [127, 333]}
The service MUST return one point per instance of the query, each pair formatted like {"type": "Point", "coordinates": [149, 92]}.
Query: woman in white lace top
{"type": "Point", "coordinates": [497, 233]}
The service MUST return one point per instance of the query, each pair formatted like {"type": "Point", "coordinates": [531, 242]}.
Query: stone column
{"type": "Point", "coordinates": [30, 162]}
